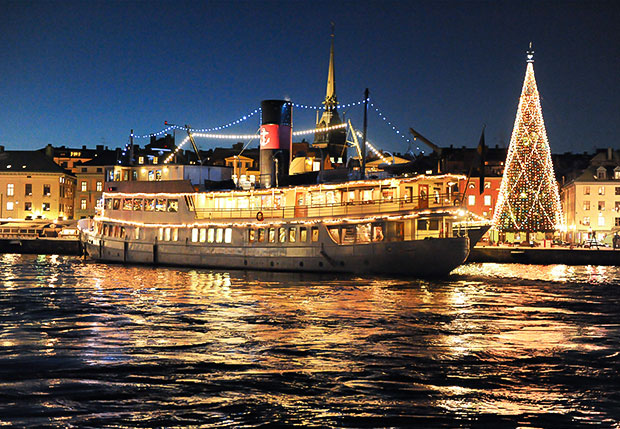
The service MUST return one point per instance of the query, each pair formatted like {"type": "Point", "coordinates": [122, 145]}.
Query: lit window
{"type": "Point", "coordinates": [175, 234]}
{"type": "Point", "coordinates": [83, 204]}
{"type": "Point", "coordinates": [471, 200]}
{"type": "Point", "coordinates": [228, 235]}
{"type": "Point", "coordinates": [292, 234]}
{"type": "Point", "coordinates": [219, 236]}
{"type": "Point", "coordinates": [586, 205]}
{"type": "Point", "coordinates": [601, 190]}
{"type": "Point", "coordinates": [84, 186]}
{"type": "Point", "coordinates": [586, 220]}
{"type": "Point", "coordinates": [167, 234]}
{"type": "Point", "coordinates": [99, 186]}
{"type": "Point", "coordinates": [601, 220]}
{"type": "Point", "coordinates": [601, 206]}
{"type": "Point", "coordinates": [194, 235]}
{"type": "Point", "coordinates": [203, 235]}
{"type": "Point", "coordinates": [211, 235]}
{"type": "Point", "coordinates": [137, 233]}
{"type": "Point", "coordinates": [487, 200]}
{"type": "Point", "coordinates": [10, 190]}
{"type": "Point", "coordinates": [586, 190]}
{"type": "Point", "coordinates": [9, 205]}
{"type": "Point", "coordinates": [282, 235]}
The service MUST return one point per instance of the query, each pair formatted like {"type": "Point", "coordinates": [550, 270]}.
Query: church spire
{"type": "Point", "coordinates": [330, 95]}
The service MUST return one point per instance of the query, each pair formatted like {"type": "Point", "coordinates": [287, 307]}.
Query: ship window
{"type": "Point", "coordinates": [315, 233]}
{"type": "Point", "coordinates": [136, 233]}
{"type": "Point", "coordinates": [211, 235]}
{"type": "Point", "coordinates": [377, 233]}
{"type": "Point", "coordinates": [228, 235]}
{"type": "Point", "coordinates": [122, 232]}
{"type": "Point", "coordinates": [303, 234]}
{"type": "Point", "coordinates": [292, 235]}
{"type": "Point", "coordinates": [127, 204]}
{"type": "Point", "coordinates": [434, 225]}
{"type": "Point", "coordinates": [160, 205]}
{"type": "Point", "coordinates": [117, 204]}
{"type": "Point", "coordinates": [219, 236]}
{"type": "Point", "coordinates": [149, 205]}
{"type": "Point", "coordinates": [261, 235]}
{"type": "Point", "coordinates": [173, 205]}
{"type": "Point", "coordinates": [348, 234]}
{"type": "Point", "coordinates": [367, 196]}
{"type": "Point", "coordinates": [137, 204]}
{"type": "Point", "coordinates": [351, 196]}
{"type": "Point", "coordinates": [282, 235]}
{"type": "Point", "coordinates": [363, 233]}
{"type": "Point", "coordinates": [422, 224]}
{"type": "Point", "coordinates": [203, 235]}
{"type": "Point", "coordinates": [395, 231]}
{"type": "Point", "coordinates": [272, 235]}
{"type": "Point", "coordinates": [108, 203]}
{"type": "Point", "coordinates": [387, 194]}
{"type": "Point", "coordinates": [175, 234]}
{"type": "Point", "coordinates": [167, 234]}
{"type": "Point", "coordinates": [251, 235]}
{"type": "Point", "coordinates": [334, 233]}
{"type": "Point", "coordinates": [161, 234]}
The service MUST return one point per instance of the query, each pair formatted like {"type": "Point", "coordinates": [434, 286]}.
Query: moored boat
{"type": "Point", "coordinates": [400, 226]}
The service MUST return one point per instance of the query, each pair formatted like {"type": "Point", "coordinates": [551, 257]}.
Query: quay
{"type": "Point", "coordinates": [545, 255]}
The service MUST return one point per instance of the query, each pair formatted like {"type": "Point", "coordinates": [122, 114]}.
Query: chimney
{"type": "Point", "coordinates": [610, 154]}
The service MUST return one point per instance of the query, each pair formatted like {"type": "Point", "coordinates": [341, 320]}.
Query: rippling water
{"type": "Point", "coordinates": [92, 345]}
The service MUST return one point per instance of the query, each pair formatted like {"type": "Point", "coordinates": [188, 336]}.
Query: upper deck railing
{"type": "Point", "coordinates": [341, 209]}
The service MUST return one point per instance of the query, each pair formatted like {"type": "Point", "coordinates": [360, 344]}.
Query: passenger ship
{"type": "Point", "coordinates": [399, 226]}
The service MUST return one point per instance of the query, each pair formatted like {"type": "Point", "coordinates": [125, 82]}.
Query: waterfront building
{"type": "Point", "coordinates": [90, 178]}
{"type": "Point", "coordinates": [71, 158]}
{"type": "Point", "coordinates": [33, 186]}
{"type": "Point", "coordinates": [592, 200]}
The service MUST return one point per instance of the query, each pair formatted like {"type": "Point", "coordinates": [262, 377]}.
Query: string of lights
{"type": "Point", "coordinates": [391, 125]}
{"type": "Point", "coordinates": [528, 198]}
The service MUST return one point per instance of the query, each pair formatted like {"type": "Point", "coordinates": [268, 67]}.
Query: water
{"type": "Point", "coordinates": [92, 345]}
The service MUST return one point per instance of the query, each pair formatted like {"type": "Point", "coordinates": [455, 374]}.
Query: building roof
{"type": "Point", "coordinates": [15, 161]}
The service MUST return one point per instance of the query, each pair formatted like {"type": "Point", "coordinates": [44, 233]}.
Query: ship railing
{"type": "Point", "coordinates": [338, 209]}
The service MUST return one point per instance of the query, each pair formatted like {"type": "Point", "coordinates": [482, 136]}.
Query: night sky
{"type": "Point", "coordinates": [85, 73]}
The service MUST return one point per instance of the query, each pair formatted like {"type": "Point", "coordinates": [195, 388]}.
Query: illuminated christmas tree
{"type": "Point", "coordinates": [528, 199]}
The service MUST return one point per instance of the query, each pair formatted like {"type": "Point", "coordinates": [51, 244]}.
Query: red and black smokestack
{"type": "Point", "coordinates": [276, 139]}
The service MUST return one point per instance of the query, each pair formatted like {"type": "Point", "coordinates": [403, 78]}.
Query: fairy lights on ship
{"type": "Point", "coordinates": [209, 133]}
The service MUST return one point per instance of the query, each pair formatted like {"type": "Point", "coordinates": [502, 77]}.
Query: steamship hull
{"type": "Point", "coordinates": [416, 258]}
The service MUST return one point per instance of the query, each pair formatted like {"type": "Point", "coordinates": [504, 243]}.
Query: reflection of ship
{"type": "Point", "coordinates": [394, 226]}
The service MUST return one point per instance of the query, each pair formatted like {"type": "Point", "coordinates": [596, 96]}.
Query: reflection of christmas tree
{"type": "Point", "coordinates": [528, 199]}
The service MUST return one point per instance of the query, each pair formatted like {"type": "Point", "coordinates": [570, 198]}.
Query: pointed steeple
{"type": "Point", "coordinates": [335, 139]}
{"type": "Point", "coordinates": [330, 95]}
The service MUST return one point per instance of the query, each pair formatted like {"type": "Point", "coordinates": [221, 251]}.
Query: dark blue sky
{"type": "Point", "coordinates": [86, 72]}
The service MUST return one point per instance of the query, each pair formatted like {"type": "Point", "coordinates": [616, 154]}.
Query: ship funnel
{"type": "Point", "coordinates": [276, 139]}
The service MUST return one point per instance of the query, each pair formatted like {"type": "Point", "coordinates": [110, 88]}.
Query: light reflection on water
{"type": "Point", "coordinates": [492, 344]}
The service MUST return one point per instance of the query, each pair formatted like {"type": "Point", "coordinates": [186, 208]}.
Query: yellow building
{"type": "Point", "coordinates": [591, 202]}
{"type": "Point", "coordinates": [33, 186]}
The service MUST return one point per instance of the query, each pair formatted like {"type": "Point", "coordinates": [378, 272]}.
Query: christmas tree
{"type": "Point", "coordinates": [528, 199]}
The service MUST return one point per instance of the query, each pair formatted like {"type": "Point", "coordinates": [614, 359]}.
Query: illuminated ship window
{"type": "Point", "coordinates": [211, 235]}
{"type": "Point", "coordinates": [315, 233]}
{"type": "Point", "coordinates": [272, 235]}
{"type": "Point", "coordinates": [303, 234]}
{"type": "Point", "coordinates": [219, 236]}
{"type": "Point", "coordinates": [282, 235]}
{"type": "Point", "coordinates": [203, 235]}
{"type": "Point", "coordinates": [292, 235]}
{"type": "Point", "coordinates": [228, 235]}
